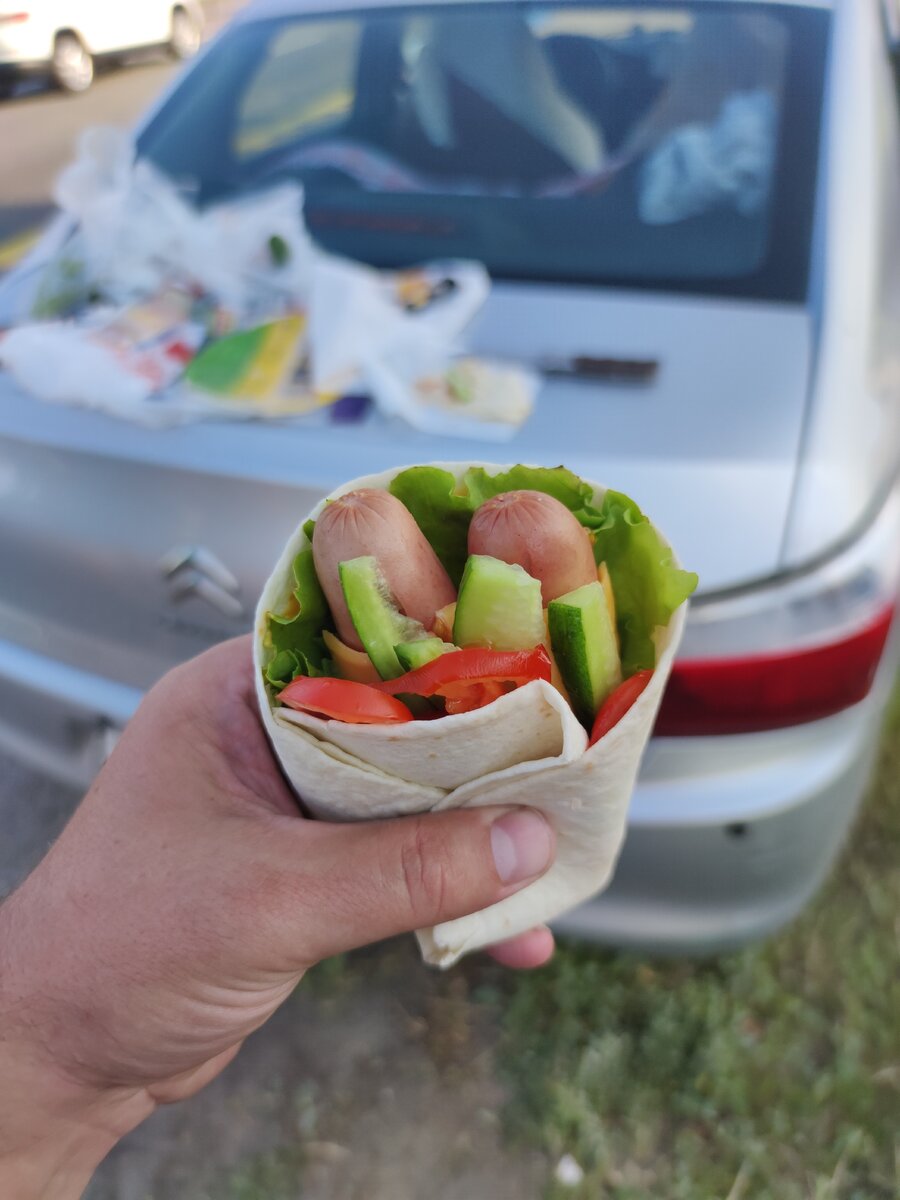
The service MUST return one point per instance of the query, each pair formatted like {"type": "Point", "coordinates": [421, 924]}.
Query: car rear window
{"type": "Point", "coordinates": [670, 147]}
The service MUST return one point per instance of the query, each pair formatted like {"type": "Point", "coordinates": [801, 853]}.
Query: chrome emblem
{"type": "Point", "coordinates": [194, 571]}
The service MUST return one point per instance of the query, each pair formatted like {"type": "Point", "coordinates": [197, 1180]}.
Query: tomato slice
{"type": "Point", "coordinates": [469, 679]}
{"type": "Point", "coordinates": [617, 704]}
{"type": "Point", "coordinates": [343, 700]}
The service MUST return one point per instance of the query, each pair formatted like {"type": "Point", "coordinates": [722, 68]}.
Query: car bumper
{"type": "Point", "coordinates": [59, 720]}
{"type": "Point", "coordinates": [728, 837]}
{"type": "Point", "coordinates": [723, 852]}
{"type": "Point", "coordinates": [14, 70]}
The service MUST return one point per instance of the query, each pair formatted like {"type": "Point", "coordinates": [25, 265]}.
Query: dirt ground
{"type": "Point", "coordinates": [374, 1082]}
{"type": "Point", "coordinates": [371, 1085]}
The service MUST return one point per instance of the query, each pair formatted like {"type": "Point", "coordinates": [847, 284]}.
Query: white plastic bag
{"type": "Point", "coordinates": [241, 266]}
{"type": "Point", "coordinates": [699, 167]}
{"type": "Point", "coordinates": [358, 317]}
{"type": "Point", "coordinates": [136, 233]}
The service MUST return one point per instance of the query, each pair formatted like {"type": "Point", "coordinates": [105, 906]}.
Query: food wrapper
{"type": "Point", "coordinates": [527, 748]}
{"type": "Point", "coordinates": [467, 397]}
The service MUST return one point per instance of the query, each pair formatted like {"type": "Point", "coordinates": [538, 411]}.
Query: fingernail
{"type": "Point", "coordinates": [522, 844]}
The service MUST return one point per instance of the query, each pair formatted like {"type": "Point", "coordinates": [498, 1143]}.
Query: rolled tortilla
{"type": "Point", "coordinates": [527, 748]}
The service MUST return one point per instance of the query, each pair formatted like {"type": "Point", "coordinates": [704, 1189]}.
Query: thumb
{"type": "Point", "coordinates": [380, 878]}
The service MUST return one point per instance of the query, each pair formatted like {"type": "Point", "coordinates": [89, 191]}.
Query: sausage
{"type": "Point", "coordinates": [373, 522]}
{"type": "Point", "coordinates": [540, 534]}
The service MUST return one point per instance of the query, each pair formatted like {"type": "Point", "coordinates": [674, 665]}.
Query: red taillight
{"type": "Point", "coordinates": [746, 695]}
{"type": "Point", "coordinates": [15, 18]}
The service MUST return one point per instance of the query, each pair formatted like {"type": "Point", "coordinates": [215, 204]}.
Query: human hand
{"type": "Point", "coordinates": [182, 904]}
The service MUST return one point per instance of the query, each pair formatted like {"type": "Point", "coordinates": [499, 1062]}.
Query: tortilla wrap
{"type": "Point", "coordinates": [527, 748]}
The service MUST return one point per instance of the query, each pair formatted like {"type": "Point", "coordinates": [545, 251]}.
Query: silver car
{"type": "Point", "coordinates": [691, 214]}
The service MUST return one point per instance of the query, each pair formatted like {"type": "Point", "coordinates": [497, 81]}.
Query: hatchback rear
{"type": "Point", "coordinates": [660, 192]}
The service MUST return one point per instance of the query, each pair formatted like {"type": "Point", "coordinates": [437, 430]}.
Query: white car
{"type": "Point", "coordinates": [690, 213]}
{"type": "Point", "coordinates": [63, 38]}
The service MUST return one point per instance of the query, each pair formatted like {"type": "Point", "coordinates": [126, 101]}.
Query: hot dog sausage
{"type": "Point", "coordinates": [540, 534]}
{"type": "Point", "coordinates": [373, 522]}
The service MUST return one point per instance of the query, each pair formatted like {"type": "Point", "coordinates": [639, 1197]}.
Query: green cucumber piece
{"type": "Point", "coordinates": [499, 606]}
{"type": "Point", "coordinates": [376, 618]}
{"type": "Point", "coordinates": [584, 643]}
{"type": "Point", "coordinates": [416, 654]}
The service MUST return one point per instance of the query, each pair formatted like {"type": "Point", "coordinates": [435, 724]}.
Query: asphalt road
{"type": "Point", "coordinates": [39, 128]}
{"type": "Point", "coordinates": [33, 810]}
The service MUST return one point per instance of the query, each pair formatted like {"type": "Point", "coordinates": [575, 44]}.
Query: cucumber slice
{"type": "Point", "coordinates": [499, 606]}
{"type": "Point", "coordinates": [378, 621]}
{"type": "Point", "coordinates": [417, 654]}
{"type": "Point", "coordinates": [583, 637]}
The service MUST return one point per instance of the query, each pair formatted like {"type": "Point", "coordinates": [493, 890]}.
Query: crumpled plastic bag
{"type": "Point", "coordinates": [62, 364]}
{"type": "Point", "coordinates": [360, 315]}
{"type": "Point", "coordinates": [136, 232]}
{"type": "Point", "coordinates": [115, 359]}
{"type": "Point", "coordinates": [160, 313]}
{"type": "Point", "coordinates": [700, 167]}
{"type": "Point", "coordinates": [411, 359]}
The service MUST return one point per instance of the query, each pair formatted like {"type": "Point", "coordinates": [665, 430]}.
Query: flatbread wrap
{"type": "Point", "coordinates": [464, 634]}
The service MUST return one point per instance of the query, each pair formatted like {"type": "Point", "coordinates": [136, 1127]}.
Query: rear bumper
{"type": "Point", "coordinates": [59, 720]}
{"type": "Point", "coordinates": [15, 66]}
{"type": "Point", "coordinates": [742, 851]}
{"type": "Point", "coordinates": [728, 837]}
{"type": "Point", "coordinates": [13, 70]}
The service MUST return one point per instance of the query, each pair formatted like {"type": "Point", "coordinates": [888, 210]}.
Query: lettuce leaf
{"type": "Point", "coordinates": [287, 665]}
{"type": "Point", "coordinates": [440, 511]}
{"type": "Point", "coordinates": [647, 585]}
{"type": "Point", "coordinates": [559, 482]}
{"type": "Point", "coordinates": [295, 642]}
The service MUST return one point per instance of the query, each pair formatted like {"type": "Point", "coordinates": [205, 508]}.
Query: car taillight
{"type": "Point", "coordinates": [745, 695]}
{"type": "Point", "coordinates": [797, 650]}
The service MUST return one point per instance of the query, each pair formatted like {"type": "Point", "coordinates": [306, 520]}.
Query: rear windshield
{"type": "Point", "coordinates": [671, 146]}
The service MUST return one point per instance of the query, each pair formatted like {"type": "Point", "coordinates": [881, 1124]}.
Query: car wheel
{"type": "Point", "coordinates": [185, 38]}
{"type": "Point", "coordinates": [73, 66]}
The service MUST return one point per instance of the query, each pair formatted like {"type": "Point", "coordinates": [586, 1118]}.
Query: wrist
{"type": "Point", "coordinates": [55, 1128]}
{"type": "Point", "coordinates": [54, 1132]}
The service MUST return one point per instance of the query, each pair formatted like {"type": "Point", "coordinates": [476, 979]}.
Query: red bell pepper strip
{"type": "Point", "coordinates": [343, 700]}
{"type": "Point", "coordinates": [465, 697]}
{"type": "Point", "coordinates": [469, 679]}
{"type": "Point", "coordinates": [617, 704]}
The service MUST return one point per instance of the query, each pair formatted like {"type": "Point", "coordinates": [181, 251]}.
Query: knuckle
{"type": "Point", "coordinates": [425, 869]}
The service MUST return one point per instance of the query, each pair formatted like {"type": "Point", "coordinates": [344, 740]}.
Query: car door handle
{"type": "Point", "coordinates": [592, 369]}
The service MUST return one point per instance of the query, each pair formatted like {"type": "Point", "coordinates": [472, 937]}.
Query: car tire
{"type": "Point", "coordinates": [72, 64]}
{"type": "Point", "coordinates": [185, 38]}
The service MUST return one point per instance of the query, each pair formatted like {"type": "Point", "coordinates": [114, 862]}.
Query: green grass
{"type": "Point", "coordinates": [273, 1176]}
{"type": "Point", "coordinates": [770, 1074]}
